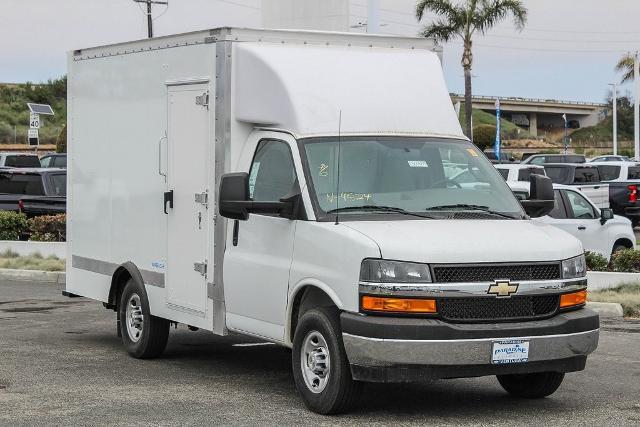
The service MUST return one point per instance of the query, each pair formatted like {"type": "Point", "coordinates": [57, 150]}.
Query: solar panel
{"type": "Point", "coordinates": [40, 109]}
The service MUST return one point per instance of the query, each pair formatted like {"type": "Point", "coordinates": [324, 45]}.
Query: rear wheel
{"type": "Point", "coordinates": [143, 335]}
{"type": "Point", "coordinates": [321, 370]}
{"type": "Point", "coordinates": [531, 386]}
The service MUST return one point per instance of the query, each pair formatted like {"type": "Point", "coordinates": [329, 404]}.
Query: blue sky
{"type": "Point", "coordinates": [567, 51]}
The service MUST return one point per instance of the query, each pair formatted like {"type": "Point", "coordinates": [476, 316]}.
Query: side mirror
{"type": "Point", "coordinates": [541, 200]}
{"type": "Point", "coordinates": [234, 196]}
{"type": "Point", "coordinates": [512, 159]}
{"type": "Point", "coordinates": [605, 215]}
{"type": "Point", "coordinates": [234, 202]}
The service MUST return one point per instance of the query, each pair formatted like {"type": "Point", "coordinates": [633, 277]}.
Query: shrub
{"type": "Point", "coordinates": [48, 228]}
{"type": "Point", "coordinates": [61, 142]}
{"type": "Point", "coordinates": [596, 262]}
{"type": "Point", "coordinates": [484, 136]}
{"type": "Point", "coordinates": [627, 260]}
{"type": "Point", "coordinates": [12, 225]}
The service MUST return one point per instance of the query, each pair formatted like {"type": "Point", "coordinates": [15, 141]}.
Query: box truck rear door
{"type": "Point", "coordinates": [187, 221]}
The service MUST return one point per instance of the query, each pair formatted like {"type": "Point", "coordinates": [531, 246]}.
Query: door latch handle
{"type": "Point", "coordinates": [168, 198]}
{"type": "Point", "coordinates": [582, 227]}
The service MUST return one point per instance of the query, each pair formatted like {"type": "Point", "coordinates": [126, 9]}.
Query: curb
{"type": "Point", "coordinates": [53, 277]}
{"type": "Point", "coordinates": [606, 309]}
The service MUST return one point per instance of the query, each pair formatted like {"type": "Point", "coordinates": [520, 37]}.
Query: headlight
{"type": "Point", "coordinates": [574, 267]}
{"type": "Point", "coordinates": [383, 271]}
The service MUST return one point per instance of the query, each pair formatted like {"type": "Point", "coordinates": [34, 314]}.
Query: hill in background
{"type": "Point", "coordinates": [14, 114]}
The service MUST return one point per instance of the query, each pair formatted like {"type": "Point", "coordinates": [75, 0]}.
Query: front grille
{"type": "Point", "coordinates": [482, 309]}
{"type": "Point", "coordinates": [491, 272]}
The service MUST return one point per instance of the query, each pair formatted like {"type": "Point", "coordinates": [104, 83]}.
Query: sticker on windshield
{"type": "Point", "coordinates": [324, 170]}
{"type": "Point", "coordinates": [418, 164]}
{"type": "Point", "coordinates": [472, 152]}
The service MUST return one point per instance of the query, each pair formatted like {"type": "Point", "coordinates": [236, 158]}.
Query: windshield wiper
{"type": "Point", "coordinates": [463, 206]}
{"type": "Point", "coordinates": [375, 208]}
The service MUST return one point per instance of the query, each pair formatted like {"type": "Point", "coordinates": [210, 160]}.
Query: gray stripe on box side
{"type": "Point", "coordinates": [105, 268]}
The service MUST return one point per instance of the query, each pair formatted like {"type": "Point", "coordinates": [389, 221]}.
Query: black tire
{"type": "Point", "coordinates": [341, 391]}
{"type": "Point", "coordinates": [154, 334]}
{"type": "Point", "coordinates": [531, 386]}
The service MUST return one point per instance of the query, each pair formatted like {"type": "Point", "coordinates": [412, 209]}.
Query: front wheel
{"type": "Point", "coordinates": [531, 386]}
{"type": "Point", "coordinates": [320, 367]}
{"type": "Point", "coordinates": [143, 335]}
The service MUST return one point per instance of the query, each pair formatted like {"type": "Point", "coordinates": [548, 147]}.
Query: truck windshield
{"type": "Point", "coordinates": [393, 176]}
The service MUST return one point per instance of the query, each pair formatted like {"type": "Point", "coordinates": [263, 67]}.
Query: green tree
{"type": "Point", "coordinates": [464, 21]}
{"type": "Point", "coordinates": [625, 66]}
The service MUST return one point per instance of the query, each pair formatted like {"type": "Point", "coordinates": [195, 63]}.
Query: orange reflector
{"type": "Point", "coordinates": [574, 298]}
{"type": "Point", "coordinates": [399, 305]}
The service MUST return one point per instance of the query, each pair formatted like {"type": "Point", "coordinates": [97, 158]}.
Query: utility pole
{"type": "Point", "coordinates": [149, 16]}
{"type": "Point", "coordinates": [615, 118]}
{"type": "Point", "coordinates": [636, 106]}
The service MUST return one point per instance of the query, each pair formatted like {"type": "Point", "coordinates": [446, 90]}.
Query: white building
{"type": "Point", "coordinates": [375, 16]}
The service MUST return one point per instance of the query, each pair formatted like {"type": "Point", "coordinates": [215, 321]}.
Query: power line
{"type": "Point", "coordinates": [558, 40]}
{"type": "Point", "coordinates": [546, 49]}
{"type": "Point", "coordinates": [240, 4]}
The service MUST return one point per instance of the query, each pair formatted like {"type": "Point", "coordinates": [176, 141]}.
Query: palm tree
{"type": "Point", "coordinates": [625, 65]}
{"type": "Point", "coordinates": [463, 20]}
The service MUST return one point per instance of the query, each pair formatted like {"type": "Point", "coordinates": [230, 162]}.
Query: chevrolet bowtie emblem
{"type": "Point", "coordinates": [503, 288]}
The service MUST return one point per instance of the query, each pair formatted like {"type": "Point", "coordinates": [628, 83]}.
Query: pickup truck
{"type": "Point", "coordinates": [19, 184]}
{"type": "Point", "coordinates": [18, 160]}
{"type": "Point", "coordinates": [519, 172]}
{"type": "Point", "coordinates": [623, 179]}
{"type": "Point", "coordinates": [542, 159]}
{"type": "Point", "coordinates": [585, 177]}
{"type": "Point", "coordinates": [599, 230]}
{"type": "Point", "coordinates": [42, 205]}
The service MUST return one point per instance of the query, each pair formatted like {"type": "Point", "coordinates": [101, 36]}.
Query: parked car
{"type": "Point", "coordinates": [584, 177]}
{"type": "Point", "coordinates": [541, 159]}
{"type": "Point", "coordinates": [505, 157]}
{"type": "Point", "coordinates": [54, 161]}
{"type": "Point", "coordinates": [599, 230]}
{"type": "Point", "coordinates": [42, 205]}
{"type": "Point", "coordinates": [610, 159]}
{"type": "Point", "coordinates": [16, 184]}
{"type": "Point", "coordinates": [623, 179]}
{"type": "Point", "coordinates": [519, 172]}
{"type": "Point", "coordinates": [19, 160]}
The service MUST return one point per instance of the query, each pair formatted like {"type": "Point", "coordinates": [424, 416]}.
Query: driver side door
{"type": "Point", "coordinates": [258, 257]}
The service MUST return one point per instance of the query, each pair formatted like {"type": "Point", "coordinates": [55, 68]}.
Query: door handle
{"type": "Point", "coordinates": [236, 230]}
{"type": "Point", "coordinates": [160, 172]}
{"type": "Point", "coordinates": [582, 227]}
{"type": "Point", "coordinates": [168, 197]}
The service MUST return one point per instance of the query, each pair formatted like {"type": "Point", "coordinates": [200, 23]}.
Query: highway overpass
{"type": "Point", "coordinates": [541, 114]}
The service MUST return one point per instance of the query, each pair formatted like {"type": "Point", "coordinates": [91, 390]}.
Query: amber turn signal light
{"type": "Point", "coordinates": [398, 305]}
{"type": "Point", "coordinates": [574, 298]}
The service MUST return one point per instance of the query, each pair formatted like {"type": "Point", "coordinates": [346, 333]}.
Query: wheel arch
{"type": "Point", "coordinates": [120, 277]}
{"type": "Point", "coordinates": [623, 241]}
{"type": "Point", "coordinates": [307, 294]}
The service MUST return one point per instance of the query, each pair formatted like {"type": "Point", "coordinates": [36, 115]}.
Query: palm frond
{"type": "Point", "coordinates": [494, 11]}
{"type": "Point", "coordinates": [444, 8]}
{"type": "Point", "coordinates": [625, 65]}
{"type": "Point", "coordinates": [440, 30]}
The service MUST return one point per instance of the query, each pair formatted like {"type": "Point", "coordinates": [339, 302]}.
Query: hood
{"type": "Point", "coordinates": [463, 241]}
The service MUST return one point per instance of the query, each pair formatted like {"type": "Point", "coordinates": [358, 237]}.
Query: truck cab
{"type": "Point", "coordinates": [271, 186]}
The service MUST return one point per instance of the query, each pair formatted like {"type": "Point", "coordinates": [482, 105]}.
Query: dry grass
{"type": "Point", "coordinates": [9, 259]}
{"type": "Point", "coordinates": [628, 295]}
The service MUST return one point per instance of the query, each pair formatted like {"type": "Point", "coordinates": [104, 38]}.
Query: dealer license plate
{"type": "Point", "coordinates": [510, 351]}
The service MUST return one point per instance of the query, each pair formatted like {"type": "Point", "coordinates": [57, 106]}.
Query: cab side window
{"type": "Point", "coordinates": [272, 174]}
{"type": "Point", "coordinates": [580, 207]}
{"type": "Point", "coordinates": [559, 210]}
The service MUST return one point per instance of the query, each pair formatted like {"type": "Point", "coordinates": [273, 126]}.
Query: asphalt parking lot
{"type": "Point", "coordinates": [62, 363]}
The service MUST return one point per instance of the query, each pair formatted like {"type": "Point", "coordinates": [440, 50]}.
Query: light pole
{"type": "Point", "coordinates": [566, 141]}
{"type": "Point", "coordinates": [615, 118]}
{"type": "Point", "coordinates": [636, 107]}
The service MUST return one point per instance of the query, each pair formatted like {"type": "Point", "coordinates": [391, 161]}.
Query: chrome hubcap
{"type": "Point", "coordinates": [315, 362]}
{"type": "Point", "coordinates": [134, 318]}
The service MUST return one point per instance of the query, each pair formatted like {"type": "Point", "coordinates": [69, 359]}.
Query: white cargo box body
{"type": "Point", "coordinates": [168, 116]}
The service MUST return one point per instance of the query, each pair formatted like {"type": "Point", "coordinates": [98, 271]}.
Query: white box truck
{"type": "Point", "coordinates": [314, 190]}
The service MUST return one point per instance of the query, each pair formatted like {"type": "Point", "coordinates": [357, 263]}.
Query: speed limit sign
{"type": "Point", "coordinates": [34, 121]}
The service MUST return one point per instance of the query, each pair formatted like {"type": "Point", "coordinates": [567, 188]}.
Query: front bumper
{"type": "Point", "coordinates": [393, 349]}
